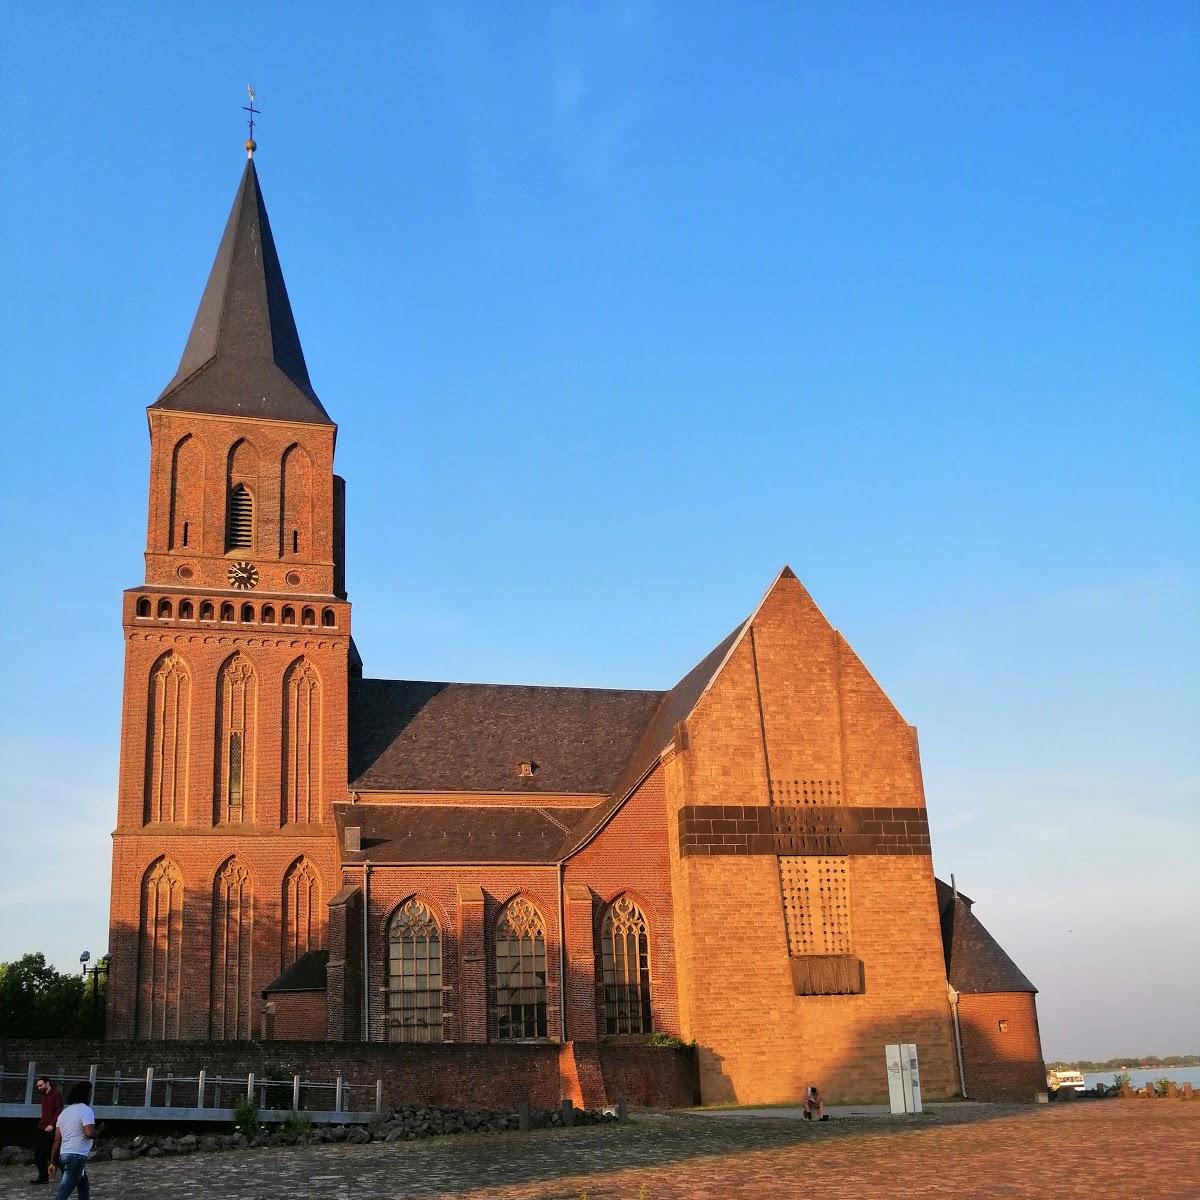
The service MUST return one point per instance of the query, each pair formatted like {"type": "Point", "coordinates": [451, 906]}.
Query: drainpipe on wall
{"type": "Point", "coordinates": [962, 1078]}
{"type": "Point", "coordinates": [562, 959]}
{"type": "Point", "coordinates": [366, 959]}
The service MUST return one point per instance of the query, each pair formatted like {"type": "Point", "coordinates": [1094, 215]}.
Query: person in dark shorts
{"type": "Point", "coordinates": [52, 1105]}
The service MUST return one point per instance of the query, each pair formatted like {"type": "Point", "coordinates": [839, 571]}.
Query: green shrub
{"type": "Point", "coordinates": [666, 1041]}
{"type": "Point", "coordinates": [245, 1116]}
{"type": "Point", "coordinates": [298, 1122]}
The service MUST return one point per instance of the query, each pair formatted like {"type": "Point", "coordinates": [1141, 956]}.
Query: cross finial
{"type": "Point", "coordinates": [251, 144]}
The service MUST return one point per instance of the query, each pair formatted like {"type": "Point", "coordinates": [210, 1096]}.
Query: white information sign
{"type": "Point", "coordinates": [904, 1078]}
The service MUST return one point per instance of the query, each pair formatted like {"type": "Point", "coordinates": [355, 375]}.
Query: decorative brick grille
{"type": "Point", "coordinates": [816, 904]}
{"type": "Point", "coordinates": [803, 792]}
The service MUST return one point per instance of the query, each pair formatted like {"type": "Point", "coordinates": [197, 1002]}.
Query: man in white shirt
{"type": "Point", "coordinates": [73, 1143]}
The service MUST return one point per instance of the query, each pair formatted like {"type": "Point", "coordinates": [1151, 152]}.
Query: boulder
{"type": "Point", "coordinates": [122, 1153]}
{"type": "Point", "coordinates": [358, 1135]}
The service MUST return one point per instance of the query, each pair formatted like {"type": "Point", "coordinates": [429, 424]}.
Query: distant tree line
{"type": "Point", "coordinates": [36, 1001]}
{"type": "Point", "coordinates": [1114, 1064]}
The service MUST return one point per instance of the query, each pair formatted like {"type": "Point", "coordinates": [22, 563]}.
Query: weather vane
{"type": "Point", "coordinates": [251, 144]}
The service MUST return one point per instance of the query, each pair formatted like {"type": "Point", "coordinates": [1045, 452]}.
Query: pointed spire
{"type": "Point", "coordinates": [243, 356]}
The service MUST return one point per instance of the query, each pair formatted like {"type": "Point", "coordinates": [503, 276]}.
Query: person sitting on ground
{"type": "Point", "coordinates": [813, 1104]}
{"type": "Point", "coordinates": [73, 1143]}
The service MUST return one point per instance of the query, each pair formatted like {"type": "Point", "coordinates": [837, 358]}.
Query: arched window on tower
{"type": "Point", "coordinates": [625, 953]}
{"type": "Point", "coordinates": [231, 1001]}
{"type": "Point", "coordinates": [302, 928]}
{"type": "Point", "coordinates": [520, 972]}
{"type": "Point", "coordinates": [239, 531]}
{"type": "Point", "coordinates": [414, 975]}
{"type": "Point", "coordinates": [160, 951]}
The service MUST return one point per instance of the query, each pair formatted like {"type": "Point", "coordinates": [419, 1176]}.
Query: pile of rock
{"type": "Point", "coordinates": [405, 1124]}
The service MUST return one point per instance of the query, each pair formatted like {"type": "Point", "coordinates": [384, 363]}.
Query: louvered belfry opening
{"type": "Point", "coordinates": [239, 533]}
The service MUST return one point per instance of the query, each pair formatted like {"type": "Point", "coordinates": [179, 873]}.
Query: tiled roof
{"type": "Point", "coordinates": [975, 961]}
{"type": "Point", "coordinates": [674, 707]}
{"type": "Point", "coordinates": [243, 355]}
{"type": "Point", "coordinates": [410, 736]}
{"type": "Point", "coordinates": [306, 974]}
{"type": "Point", "coordinates": [453, 833]}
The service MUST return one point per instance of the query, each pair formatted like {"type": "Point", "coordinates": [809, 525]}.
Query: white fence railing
{"type": "Point", "coordinates": [203, 1097]}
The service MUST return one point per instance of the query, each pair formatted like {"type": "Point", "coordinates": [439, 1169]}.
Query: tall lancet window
{"type": "Point", "coordinates": [626, 956]}
{"type": "Point", "coordinates": [237, 695]}
{"type": "Point", "coordinates": [230, 1008]}
{"type": "Point", "coordinates": [414, 966]}
{"type": "Point", "coordinates": [520, 972]}
{"type": "Point", "coordinates": [168, 734]}
{"type": "Point", "coordinates": [302, 730]}
{"type": "Point", "coordinates": [160, 951]}
{"type": "Point", "coordinates": [239, 533]}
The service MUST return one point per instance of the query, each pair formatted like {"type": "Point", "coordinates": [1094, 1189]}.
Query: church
{"type": "Point", "coordinates": [304, 853]}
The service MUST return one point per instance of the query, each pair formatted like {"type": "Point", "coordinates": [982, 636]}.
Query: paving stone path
{"type": "Point", "coordinates": [1131, 1150]}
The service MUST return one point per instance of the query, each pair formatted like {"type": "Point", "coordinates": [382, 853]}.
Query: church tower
{"type": "Point", "coordinates": [233, 742]}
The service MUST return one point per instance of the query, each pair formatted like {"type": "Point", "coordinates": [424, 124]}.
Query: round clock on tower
{"type": "Point", "coordinates": [243, 575]}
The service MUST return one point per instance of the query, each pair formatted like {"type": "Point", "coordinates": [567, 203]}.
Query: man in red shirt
{"type": "Point", "coordinates": [52, 1105]}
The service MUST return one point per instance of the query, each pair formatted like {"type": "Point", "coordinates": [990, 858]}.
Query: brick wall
{"type": "Point", "coordinates": [163, 976]}
{"type": "Point", "coordinates": [1002, 1046]}
{"type": "Point", "coordinates": [295, 1017]}
{"type": "Point", "coordinates": [480, 1076]}
{"type": "Point", "coordinates": [794, 706]}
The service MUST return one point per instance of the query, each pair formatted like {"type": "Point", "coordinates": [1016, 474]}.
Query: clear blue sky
{"type": "Point", "coordinates": [619, 308]}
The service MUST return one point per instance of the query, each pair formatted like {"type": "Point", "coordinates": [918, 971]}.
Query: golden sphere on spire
{"type": "Point", "coordinates": [251, 145]}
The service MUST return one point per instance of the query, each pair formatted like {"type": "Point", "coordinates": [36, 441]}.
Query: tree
{"type": "Point", "coordinates": [36, 1001]}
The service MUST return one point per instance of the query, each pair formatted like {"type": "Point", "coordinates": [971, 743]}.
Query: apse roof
{"type": "Point", "coordinates": [975, 961]}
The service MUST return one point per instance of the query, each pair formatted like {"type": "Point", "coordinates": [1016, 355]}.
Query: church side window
{"type": "Point", "coordinates": [414, 975]}
{"type": "Point", "coordinates": [240, 529]}
{"type": "Point", "coordinates": [520, 972]}
{"type": "Point", "coordinates": [625, 954]}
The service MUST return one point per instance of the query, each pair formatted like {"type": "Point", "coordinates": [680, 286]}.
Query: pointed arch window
{"type": "Point", "coordinates": [302, 927]}
{"type": "Point", "coordinates": [302, 743]}
{"type": "Point", "coordinates": [414, 974]}
{"type": "Point", "coordinates": [168, 741]}
{"type": "Point", "coordinates": [520, 972]}
{"type": "Point", "coordinates": [239, 533]}
{"type": "Point", "coordinates": [237, 705]}
{"type": "Point", "coordinates": [232, 948]}
{"type": "Point", "coordinates": [625, 954]}
{"type": "Point", "coordinates": [160, 951]}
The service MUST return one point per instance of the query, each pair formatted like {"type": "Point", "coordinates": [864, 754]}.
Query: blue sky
{"type": "Point", "coordinates": [619, 308]}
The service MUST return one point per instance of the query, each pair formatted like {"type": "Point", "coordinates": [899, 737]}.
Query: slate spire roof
{"type": "Point", "coordinates": [243, 356]}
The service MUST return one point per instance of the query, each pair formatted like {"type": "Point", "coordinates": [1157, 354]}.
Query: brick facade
{"type": "Point", "coordinates": [751, 869]}
{"type": "Point", "coordinates": [1002, 1046]}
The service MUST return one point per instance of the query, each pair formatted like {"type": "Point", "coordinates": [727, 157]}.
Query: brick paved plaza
{"type": "Point", "coordinates": [1130, 1150]}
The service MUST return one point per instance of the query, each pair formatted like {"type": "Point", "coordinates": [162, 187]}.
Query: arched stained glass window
{"type": "Point", "coordinates": [414, 973]}
{"type": "Point", "coordinates": [626, 956]}
{"type": "Point", "coordinates": [520, 972]}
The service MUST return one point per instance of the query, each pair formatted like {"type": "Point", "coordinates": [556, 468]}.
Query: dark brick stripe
{"type": "Point", "coordinates": [785, 829]}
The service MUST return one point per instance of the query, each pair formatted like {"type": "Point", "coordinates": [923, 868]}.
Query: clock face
{"type": "Point", "coordinates": [243, 575]}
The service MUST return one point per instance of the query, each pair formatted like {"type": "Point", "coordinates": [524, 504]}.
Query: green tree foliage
{"type": "Point", "coordinates": [36, 1001]}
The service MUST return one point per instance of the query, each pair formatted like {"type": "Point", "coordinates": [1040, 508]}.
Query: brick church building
{"type": "Point", "coordinates": [303, 852]}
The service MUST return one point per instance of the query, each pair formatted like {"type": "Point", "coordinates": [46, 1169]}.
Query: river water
{"type": "Point", "coordinates": [1139, 1077]}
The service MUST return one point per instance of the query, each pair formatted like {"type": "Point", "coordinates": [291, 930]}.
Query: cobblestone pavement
{"type": "Point", "coordinates": [1132, 1150]}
